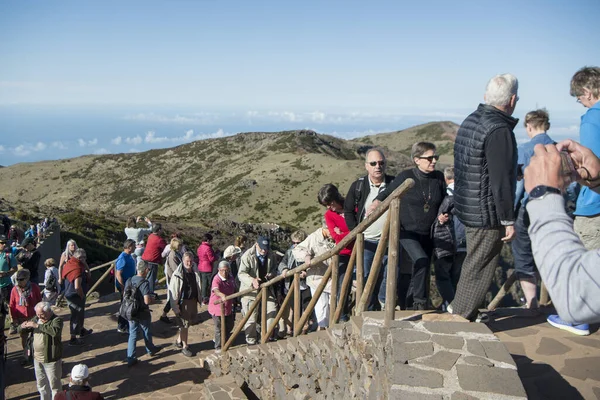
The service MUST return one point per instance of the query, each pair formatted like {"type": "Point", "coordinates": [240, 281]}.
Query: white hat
{"type": "Point", "coordinates": [80, 372]}
{"type": "Point", "coordinates": [231, 251]}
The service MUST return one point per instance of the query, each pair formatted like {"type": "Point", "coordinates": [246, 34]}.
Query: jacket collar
{"type": "Point", "coordinates": [510, 120]}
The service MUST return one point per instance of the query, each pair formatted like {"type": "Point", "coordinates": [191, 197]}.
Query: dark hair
{"type": "Point", "coordinates": [586, 78]}
{"type": "Point", "coordinates": [131, 222]}
{"type": "Point", "coordinates": [207, 237]}
{"type": "Point", "coordinates": [418, 149]}
{"type": "Point", "coordinates": [128, 243]}
{"type": "Point", "coordinates": [538, 119]}
{"type": "Point", "coordinates": [328, 194]}
{"type": "Point", "coordinates": [240, 241]}
{"type": "Point", "coordinates": [156, 228]}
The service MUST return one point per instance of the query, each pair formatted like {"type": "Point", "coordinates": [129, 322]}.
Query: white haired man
{"type": "Point", "coordinates": [485, 168]}
{"type": "Point", "coordinates": [47, 349]}
{"type": "Point", "coordinates": [79, 387]}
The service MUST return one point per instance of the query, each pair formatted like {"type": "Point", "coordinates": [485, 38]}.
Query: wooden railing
{"type": "Point", "coordinates": [390, 233]}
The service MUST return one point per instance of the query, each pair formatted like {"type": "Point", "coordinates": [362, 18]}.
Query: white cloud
{"type": "Point", "coordinates": [198, 118]}
{"type": "Point", "coordinates": [117, 140]}
{"type": "Point", "coordinates": [22, 150]}
{"type": "Point", "coordinates": [59, 145]}
{"type": "Point", "coordinates": [89, 143]}
{"type": "Point", "coordinates": [133, 150]}
{"type": "Point", "coordinates": [151, 138]}
{"type": "Point", "coordinates": [136, 140]}
{"type": "Point", "coordinates": [39, 146]}
{"type": "Point", "coordinates": [101, 151]}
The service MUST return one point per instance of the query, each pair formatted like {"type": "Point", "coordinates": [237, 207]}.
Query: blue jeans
{"type": "Point", "coordinates": [134, 325]}
{"type": "Point", "coordinates": [342, 269]}
{"type": "Point", "coordinates": [152, 273]}
{"type": "Point", "coordinates": [379, 288]}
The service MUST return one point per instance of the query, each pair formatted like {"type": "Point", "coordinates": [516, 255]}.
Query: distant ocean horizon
{"type": "Point", "coordinates": [30, 133]}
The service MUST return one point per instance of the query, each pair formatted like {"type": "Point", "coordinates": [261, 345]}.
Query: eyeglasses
{"type": "Point", "coordinates": [295, 242]}
{"type": "Point", "coordinates": [430, 158]}
{"type": "Point", "coordinates": [374, 163]}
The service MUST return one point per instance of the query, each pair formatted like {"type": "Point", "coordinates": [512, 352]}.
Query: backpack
{"type": "Point", "coordinates": [51, 283]}
{"type": "Point", "coordinates": [132, 301]}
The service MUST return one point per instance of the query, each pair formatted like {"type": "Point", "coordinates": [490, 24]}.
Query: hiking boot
{"type": "Point", "coordinates": [165, 319]}
{"type": "Point", "coordinates": [76, 342]}
{"type": "Point", "coordinates": [132, 361]}
{"type": "Point", "coordinates": [154, 350]}
{"type": "Point", "coordinates": [85, 332]}
{"type": "Point", "coordinates": [187, 352]}
{"type": "Point", "coordinates": [122, 330]}
{"type": "Point", "coordinates": [577, 329]}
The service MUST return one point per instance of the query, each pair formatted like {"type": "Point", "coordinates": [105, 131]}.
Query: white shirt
{"type": "Point", "coordinates": [373, 232]}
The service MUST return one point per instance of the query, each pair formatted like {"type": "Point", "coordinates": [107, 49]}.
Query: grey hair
{"type": "Point", "coordinates": [79, 253]}
{"type": "Point", "coordinates": [141, 266]}
{"type": "Point", "coordinates": [500, 89]}
{"type": "Point", "coordinates": [44, 306]}
{"type": "Point", "coordinates": [372, 149]}
{"type": "Point", "coordinates": [224, 263]}
{"type": "Point", "coordinates": [188, 254]}
{"type": "Point", "coordinates": [23, 273]}
{"type": "Point", "coordinates": [78, 383]}
{"type": "Point", "coordinates": [449, 173]}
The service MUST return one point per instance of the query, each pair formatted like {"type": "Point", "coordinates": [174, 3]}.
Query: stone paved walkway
{"type": "Point", "coordinates": [552, 364]}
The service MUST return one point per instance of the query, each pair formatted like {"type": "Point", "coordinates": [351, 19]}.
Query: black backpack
{"type": "Point", "coordinates": [51, 283]}
{"type": "Point", "coordinates": [132, 301]}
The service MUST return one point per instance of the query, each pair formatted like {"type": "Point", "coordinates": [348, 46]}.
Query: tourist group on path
{"type": "Point", "coordinates": [459, 218]}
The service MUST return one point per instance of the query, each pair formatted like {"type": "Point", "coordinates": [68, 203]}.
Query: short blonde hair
{"type": "Point", "coordinates": [175, 243]}
{"type": "Point", "coordinates": [538, 119]}
{"type": "Point", "coordinates": [49, 262]}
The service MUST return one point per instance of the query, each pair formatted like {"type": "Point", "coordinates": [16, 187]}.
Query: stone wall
{"type": "Point", "coordinates": [361, 359]}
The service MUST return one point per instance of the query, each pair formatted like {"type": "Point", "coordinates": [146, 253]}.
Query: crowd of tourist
{"type": "Point", "coordinates": [458, 219]}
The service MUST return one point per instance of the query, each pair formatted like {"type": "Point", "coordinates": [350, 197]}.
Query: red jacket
{"type": "Point", "coordinates": [335, 220]}
{"type": "Point", "coordinates": [154, 249]}
{"type": "Point", "coordinates": [26, 311]}
{"type": "Point", "coordinates": [206, 257]}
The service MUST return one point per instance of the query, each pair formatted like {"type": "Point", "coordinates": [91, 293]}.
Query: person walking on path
{"type": "Point", "coordinates": [76, 280]}
{"type": "Point", "coordinates": [184, 295]}
{"type": "Point", "coordinates": [485, 168]}
{"type": "Point", "coordinates": [23, 298]}
{"type": "Point", "coordinates": [137, 234]}
{"type": "Point", "coordinates": [223, 285]}
{"type": "Point", "coordinates": [124, 270]}
{"type": "Point", "coordinates": [47, 349]}
{"type": "Point", "coordinates": [206, 258]}
{"type": "Point", "coordinates": [142, 320]}
{"type": "Point", "coordinates": [153, 254]}
{"type": "Point", "coordinates": [171, 263]}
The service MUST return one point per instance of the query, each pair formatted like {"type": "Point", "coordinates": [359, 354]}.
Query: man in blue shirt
{"type": "Point", "coordinates": [536, 123]}
{"type": "Point", "coordinates": [124, 269]}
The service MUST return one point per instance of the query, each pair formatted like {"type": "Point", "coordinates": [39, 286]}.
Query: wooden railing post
{"type": "Point", "coordinates": [375, 267]}
{"type": "Point", "coordinates": [360, 269]}
{"type": "Point", "coordinates": [311, 306]}
{"type": "Point", "coordinates": [335, 266]}
{"type": "Point", "coordinates": [544, 298]}
{"type": "Point", "coordinates": [297, 304]}
{"type": "Point", "coordinates": [263, 315]}
{"type": "Point", "coordinates": [284, 305]}
{"type": "Point", "coordinates": [502, 292]}
{"type": "Point", "coordinates": [241, 324]}
{"type": "Point", "coordinates": [345, 289]}
{"type": "Point", "coordinates": [99, 281]}
{"type": "Point", "coordinates": [392, 264]}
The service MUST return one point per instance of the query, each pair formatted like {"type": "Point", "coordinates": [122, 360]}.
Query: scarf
{"type": "Point", "coordinates": [24, 294]}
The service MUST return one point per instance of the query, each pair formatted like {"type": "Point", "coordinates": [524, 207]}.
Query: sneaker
{"type": "Point", "coordinates": [165, 319]}
{"type": "Point", "coordinates": [187, 352]}
{"type": "Point", "coordinates": [121, 330]}
{"type": "Point", "coordinates": [217, 351]}
{"type": "Point", "coordinates": [482, 318]}
{"type": "Point", "coordinates": [155, 350]}
{"type": "Point", "coordinates": [85, 332]}
{"type": "Point", "coordinates": [131, 362]}
{"type": "Point", "coordinates": [179, 345]}
{"type": "Point", "coordinates": [577, 329]}
{"type": "Point", "coordinates": [76, 342]}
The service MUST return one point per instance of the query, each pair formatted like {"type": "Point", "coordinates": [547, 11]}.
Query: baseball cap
{"type": "Point", "coordinates": [80, 372]}
{"type": "Point", "coordinates": [2, 239]}
{"type": "Point", "coordinates": [264, 242]}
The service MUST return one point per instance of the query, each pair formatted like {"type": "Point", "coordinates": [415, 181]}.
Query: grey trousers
{"type": "Point", "coordinates": [48, 377]}
{"type": "Point", "coordinates": [483, 252]}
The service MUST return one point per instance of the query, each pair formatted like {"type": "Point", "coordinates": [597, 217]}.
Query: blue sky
{"type": "Point", "coordinates": [77, 76]}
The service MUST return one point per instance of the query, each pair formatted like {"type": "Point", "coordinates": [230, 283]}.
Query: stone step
{"type": "Point", "coordinates": [223, 388]}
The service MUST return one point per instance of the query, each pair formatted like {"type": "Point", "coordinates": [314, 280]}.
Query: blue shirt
{"type": "Point", "coordinates": [125, 264]}
{"type": "Point", "coordinates": [525, 153]}
{"type": "Point", "coordinates": [588, 202]}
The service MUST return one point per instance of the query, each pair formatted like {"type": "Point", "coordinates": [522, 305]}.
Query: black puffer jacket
{"type": "Point", "coordinates": [485, 168]}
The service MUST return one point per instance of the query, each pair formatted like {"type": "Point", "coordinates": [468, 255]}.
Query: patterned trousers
{"type": "Point", "coordinates": [483, 252]}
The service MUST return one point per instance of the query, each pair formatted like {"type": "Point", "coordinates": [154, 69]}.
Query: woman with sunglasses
{"type": "Point", "coordinates": [23, 298]}
{"type": "Point", "coordinates": [418, 212]}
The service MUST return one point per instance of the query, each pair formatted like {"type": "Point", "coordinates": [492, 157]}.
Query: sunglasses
{"type": "Point", "coordinates": [429, 158]}
{"type": "Point", "coordinates": [21, 279]}
{"type": "Point", "coordinates": [374, 163]}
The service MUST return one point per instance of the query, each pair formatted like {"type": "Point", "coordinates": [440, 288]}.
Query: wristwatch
{"type": "Point", "coordinates": [539, 192]}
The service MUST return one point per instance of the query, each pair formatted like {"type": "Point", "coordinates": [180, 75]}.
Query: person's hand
{"type": "Point", "coordinates": [443, 218]}
{"type": "Point", "coordinates": [284, 273]}
{"type": "Point", "coordinates": [544, 168]}
{"type": "Point", "coordinates": [60, 281]}
{"type": "Point", "coordinates": [222, 296]}
{"type": "Point", "coordinates": [585, 161]}
{"type": "Point", "coordinates": [255, 283]}
{"type": "Point", "coordinates": [147, 220]}
{"type": "Point", "coordinates": [510, 233]}
{"type": "Point", "coordinates": [303, 274]}
{"type": "Point", "coordinates": [138, 219]}
{"type": "Point", "coordinates": [337, 230]}
{"type": "Point", "coordinates": [372, 207]}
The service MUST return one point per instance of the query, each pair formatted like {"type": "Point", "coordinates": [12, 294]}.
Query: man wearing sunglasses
{"type": "Point", "coordinates": [485, 167]}
{"type": "Point", "coordinates": [361, 194]}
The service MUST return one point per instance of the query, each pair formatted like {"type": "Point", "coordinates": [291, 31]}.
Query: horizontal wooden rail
{"type": "Point", "coordinates": [378, 212]}
{"type": "Point", "coordinates": [103, 265]}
